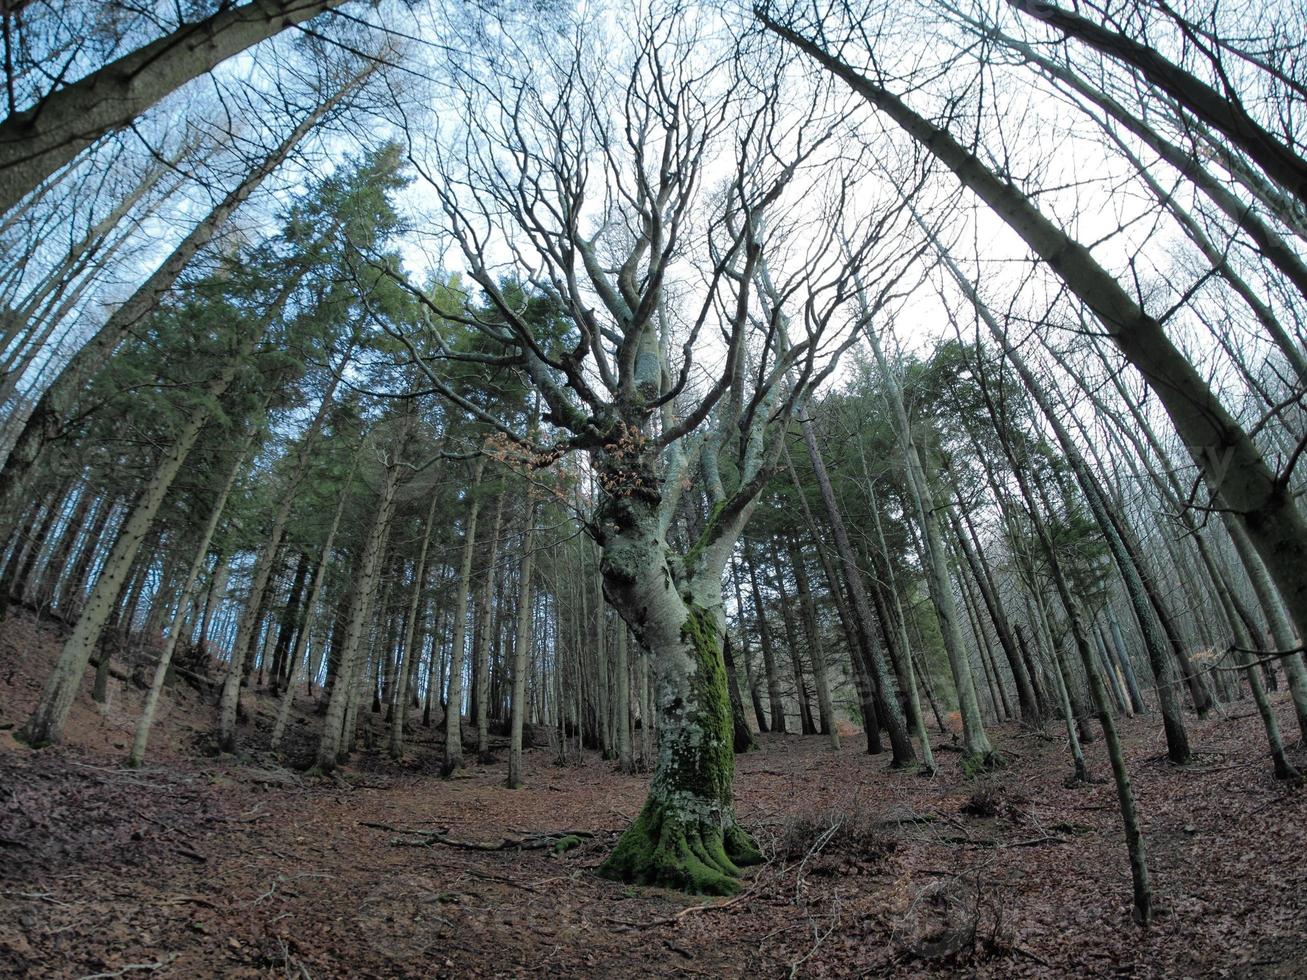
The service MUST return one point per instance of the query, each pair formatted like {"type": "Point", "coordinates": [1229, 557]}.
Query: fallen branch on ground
{"type": "Point", "coordinates": [427, 838]}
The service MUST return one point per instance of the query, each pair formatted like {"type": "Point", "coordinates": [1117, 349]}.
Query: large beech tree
{"type": "Point", "coordinates": [642, 197]}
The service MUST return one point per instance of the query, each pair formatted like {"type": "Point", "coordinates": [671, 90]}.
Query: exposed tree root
{"type": "Point", "coordinates": [665, 849]}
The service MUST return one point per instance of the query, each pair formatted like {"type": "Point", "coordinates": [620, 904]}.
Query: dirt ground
{"type": "Point", "coordinates": [236, 866]}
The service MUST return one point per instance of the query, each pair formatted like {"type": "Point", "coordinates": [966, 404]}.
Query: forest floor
{"type": "Point", "coordinates": [200, 866]}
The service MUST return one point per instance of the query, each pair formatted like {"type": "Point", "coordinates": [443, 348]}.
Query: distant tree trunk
{"type": "Point", "coordinates": [57, 563]}
{"type": "Point", "coordinates": [808, 607]}
{"type": "Point", "coordinates": [69, 593]}
{"type": "Point", "coordinates": [607, 696]}
{"type": "Point", "coordinates": [14, 588]}
{"type": "Point", "coordinates": [337, 724]}
{"type": "Point", "coordinates": [1245, 648]}
{"type": "Point", "coordinates": [1282, 631]}
{"type": "Point", "coordinates": [751, 682]}
{"type": "Point", "coordinates": [399, 702]}
{"type": "Point", "coordinates": [217, 588]}
{"type": "Point", "coordinates": [521, 641]}
{"type": "Point", "coordinates": [481, 641]}
{"type": "Point", "coordinates": [792, 641]}
{"type": "Point", "coordinates": [454, 699]}
{"type": "Point", "coordinates": [1027, 701]}
{"type": "Point", "coordinates": [742, 737]}
{"type": "Point", "coordinates": [1148, 612]}
{"type": "Point", "coordinates": [1080, 637]}
{"type": "Point", "coordinates": [301, 641]}
{"type": "Point", "coordinates": [1121, 657]}
{"type": "Point", "coordinates": [255, 603]}
{"type": "Point", "coordinates": [887, 704]}
{"type": "Point", "coordinates": [775, 701]}
{"type": "Point", "coordinates": [976, 747]}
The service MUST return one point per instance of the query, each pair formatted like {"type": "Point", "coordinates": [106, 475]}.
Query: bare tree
{"type": "Point", "coordinates": [639, 192]}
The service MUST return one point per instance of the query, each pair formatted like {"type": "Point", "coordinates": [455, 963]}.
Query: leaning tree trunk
{"type": "Point", "coordinates": [1177, 737]}
{"type": "Point", "coordinates": [904, 756]}
{"type": "Point", "coordinates": [50, 414]}
{"type": "Point", "coordinates": [1279, 160]}
{"type": "Point", "coordinates": [976, 747]}
{"type": "Point", "coordinates": [1232, 464]}
{"type": "Point", "coordinates": [247, 631]}
{"type": "Point", "coordinates": [36, 142]}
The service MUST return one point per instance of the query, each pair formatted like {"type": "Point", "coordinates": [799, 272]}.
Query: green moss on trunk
{"type": "Point", "coordinates": [686, 836]}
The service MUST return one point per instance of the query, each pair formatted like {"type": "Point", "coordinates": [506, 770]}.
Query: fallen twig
{"type": "Point", "coordinates": [132, 968]}
{"type": "Point", "coordinates": [673, 919]}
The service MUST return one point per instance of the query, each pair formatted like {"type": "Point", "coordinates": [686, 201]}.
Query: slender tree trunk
{"type": "Point", "coordinates": [775, 701]}
{"type": "Point", "coordinates": [36, 142]}
{"type": "Point", "coordinates": [481, 643]}
{"type": "Point", "coordinates": [807, 727]}
{"type": "Point", "coordinates": [69, 594]}
{"type": "Point", "coordinates": [52, 409]}
{"type": "Point", "coordinates": [454, 700]}
{"type": "Point", "coordinates": [337, 724]}
{"type": "Point", "coordinates": [399, 701]}
{"type": "Point", "coordinates": [901, 748]}
{"type": "Point", "coordinates": [819, 671]}
{"type": "Point", "coordinates": [1027, 701]}
{"type": "Point", "coordinates": [247, 631]}
{"type": "Point", "coordinates": [751, 681]}
{"type": "Point", "coordinates": [1232, 464]}
{"type": "Point", "coordinates": [1177, 738]}
{"type": "Point", "coordinates": [1280, 162]}
{"type": "Point", "coordinates": [522, 644]}
{"type": "Point", "coordinates": [976, 747]}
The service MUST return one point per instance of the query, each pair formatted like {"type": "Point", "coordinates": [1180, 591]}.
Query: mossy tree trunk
{"type": "Point", "coordinates": [686, 836]}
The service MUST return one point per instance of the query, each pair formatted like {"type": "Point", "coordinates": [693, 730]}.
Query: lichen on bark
{"type": "Point", "coordinates": [686, 836]}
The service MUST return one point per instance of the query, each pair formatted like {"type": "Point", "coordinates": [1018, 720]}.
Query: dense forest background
{"type": "Point", "coordinates": [716, 416]}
